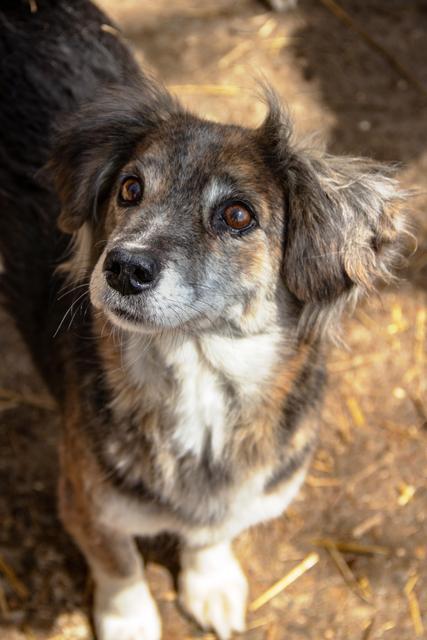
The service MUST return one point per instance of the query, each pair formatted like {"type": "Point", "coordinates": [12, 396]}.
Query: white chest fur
{"type": "Point", "coordinates": [201, 369]}
{"type": "Point", "coordinates": [200, 403]}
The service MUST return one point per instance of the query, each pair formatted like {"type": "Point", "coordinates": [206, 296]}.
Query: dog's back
{"type": "Point", "coordinates": [49, 63]}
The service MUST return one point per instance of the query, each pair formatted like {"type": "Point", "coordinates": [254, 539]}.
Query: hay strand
{"type": "Point", "coordinates": [414, 607]}
{"type": "Point", "coordinates": [309, 561]}
{"type": "Point", "coordinates": [18, 587]}
{"type": "Point", "coordinates": [346, 572]}
{"type": "Point", "coordinates": [352, 547]}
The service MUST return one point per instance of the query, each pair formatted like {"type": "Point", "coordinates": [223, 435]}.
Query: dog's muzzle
{"type": "Point", "coordinates": [129, 272]}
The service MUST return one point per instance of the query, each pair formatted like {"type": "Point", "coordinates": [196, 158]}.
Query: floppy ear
{"type": "Point", "coordinates": [92, 145]}
{"type": "Point", "coordinates": [343, 224]}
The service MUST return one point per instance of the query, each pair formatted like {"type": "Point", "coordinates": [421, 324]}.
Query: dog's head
{"type": "Point", "coordinates": [193, 225]}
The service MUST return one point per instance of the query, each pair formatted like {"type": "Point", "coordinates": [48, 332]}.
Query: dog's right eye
{"type": "Point", "coordinates": [130, 191]}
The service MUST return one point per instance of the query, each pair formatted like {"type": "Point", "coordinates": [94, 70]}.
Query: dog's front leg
{"type": "Point", "coordinates": [213, 588]}
{"type": "Point", "coordinates": [123, 606]}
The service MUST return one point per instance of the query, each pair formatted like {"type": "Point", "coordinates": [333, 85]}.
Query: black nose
{"type": "Point", "coordinates": [130, 272]}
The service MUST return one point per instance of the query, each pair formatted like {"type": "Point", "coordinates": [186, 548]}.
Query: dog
{"type": "Point", "coordinates": [184, 332]}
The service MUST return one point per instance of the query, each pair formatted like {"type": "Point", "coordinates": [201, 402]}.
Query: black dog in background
{"type": "Point", "coordinates": [219, 255]}
{"type": "Point", "coordinates": [50, 61]}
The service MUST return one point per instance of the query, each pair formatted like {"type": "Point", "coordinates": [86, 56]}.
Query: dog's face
{"type": "Point", "coordinates": [198, 226]}
{"type": "Point", "coordinates": [193, 227]}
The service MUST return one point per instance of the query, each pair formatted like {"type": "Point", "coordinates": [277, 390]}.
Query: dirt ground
{"type": "Point", "coordinates": [364, 506]}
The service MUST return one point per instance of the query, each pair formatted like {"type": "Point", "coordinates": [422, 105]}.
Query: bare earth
{"type": "Point", "coordinates": [368, 482]}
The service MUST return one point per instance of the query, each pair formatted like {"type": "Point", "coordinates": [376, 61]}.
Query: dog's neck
{"type": "Point", "coordinates": [245, 362]}
{"type": "Point", "coordinates": [202, 385]}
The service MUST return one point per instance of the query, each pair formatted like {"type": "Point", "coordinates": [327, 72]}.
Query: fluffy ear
{"type": "Point", "coordinates": [92, 145]}
{"type": "Point", "coordinates": [342, 227]}
{"type": "Point", "coordinates": [343, 224]}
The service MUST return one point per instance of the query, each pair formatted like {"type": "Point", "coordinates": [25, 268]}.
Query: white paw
{"type": "Point", "coordinates": [215, 596]}
{"type": "Point", "coordinates": [126, 613]}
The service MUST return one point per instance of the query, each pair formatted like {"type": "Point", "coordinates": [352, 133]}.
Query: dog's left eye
{"type": "Point", "coordinates": [238, 217]}
{"type": "Point", "coordinates": [130, 191]}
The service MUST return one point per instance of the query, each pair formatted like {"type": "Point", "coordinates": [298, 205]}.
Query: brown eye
{"type": "Point", "coordinates": [237, 217]}
{"type": "Point", "coordinates": [130, 191]}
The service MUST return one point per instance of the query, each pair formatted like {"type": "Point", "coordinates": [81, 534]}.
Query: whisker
{"type": "Point", "coordinates": [69, 290]}
{"type": "Point", "coordinates": [69, 310]}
